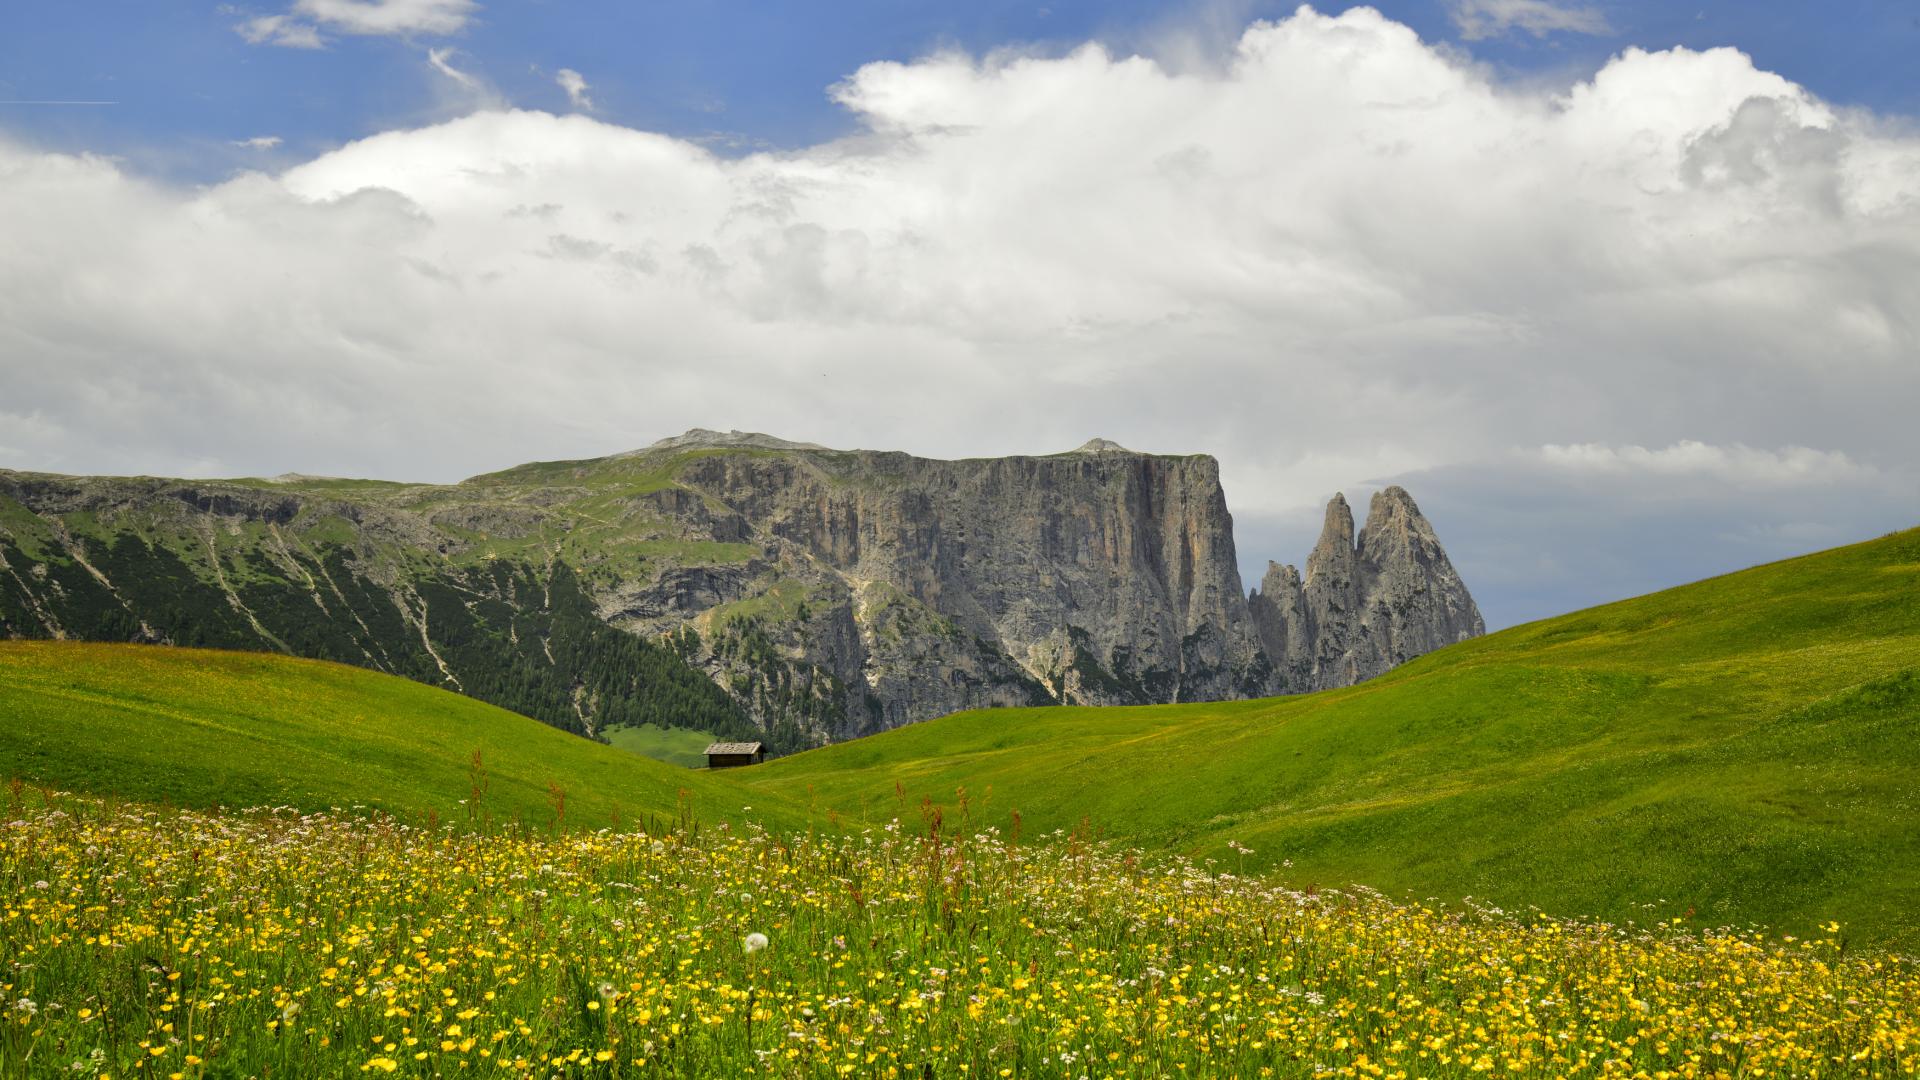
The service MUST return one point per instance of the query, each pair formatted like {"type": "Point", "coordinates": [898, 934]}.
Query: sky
{"type": "Point", "coordinates": [1625, 293]}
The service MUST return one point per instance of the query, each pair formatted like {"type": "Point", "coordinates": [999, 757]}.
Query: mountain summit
{"type": "Point", "coordinates": [704, 439]}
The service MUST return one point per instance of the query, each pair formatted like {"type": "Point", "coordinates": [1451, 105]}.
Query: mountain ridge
{"type": "Point", "coordinates": [825, 593]}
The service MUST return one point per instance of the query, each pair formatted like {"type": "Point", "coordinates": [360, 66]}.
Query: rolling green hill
{"type": "Point", "coordinates": [198, 728]}
{"type": "Point", "coordinates": [1745, 748]}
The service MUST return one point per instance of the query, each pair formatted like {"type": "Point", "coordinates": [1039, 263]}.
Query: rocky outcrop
{"type": "Point", "coordinates": [1278, 609]}
{"type": "Point", "coordinates": [1366, 604]}
{"type": "Point", "coordinates": [829, 593]}
{"type": "Point", "coordinates": [1101, 576]}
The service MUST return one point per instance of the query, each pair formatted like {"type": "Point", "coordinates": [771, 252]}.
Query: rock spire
{"type": "Point", "coordinates": [1366, 603]}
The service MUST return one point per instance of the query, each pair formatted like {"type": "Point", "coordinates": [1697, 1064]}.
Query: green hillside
{"type": "Point", "coordinates": [675, 746]}
{"type": "Point", "coordinates": [487, 588]}
{"type": "Point", "coordinates": [1747, 748]}
{"type": "Point", "coordinates": [198, 728]}
{"type": "Point", "coordinates": [1743, 748]}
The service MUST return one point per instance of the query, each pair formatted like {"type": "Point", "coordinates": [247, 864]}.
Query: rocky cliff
{"type": "Point", "coordinates": [735, 581]}
{"type": "Point", "coordinates": [1365, 604]}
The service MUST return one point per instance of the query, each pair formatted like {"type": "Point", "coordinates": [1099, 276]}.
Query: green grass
{"type": "Point", "coordinates": [1746, 749]}
{"type": "Point", "coordinates": [602, 544]}
{"type": "Point", "coordinates": [327, 485]}
{"type": "Point", "coordinates": [782, 602]}
{"type": "Point", "coordinates": [1740, 751]}
{"type": "Point", "coordinates": [675, 746]}
{"type": "Point", "coordinates": [201, 728]}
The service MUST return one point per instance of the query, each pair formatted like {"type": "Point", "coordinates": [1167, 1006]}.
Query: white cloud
{"type": "Point", "coordinates": [575, 84]}
{"type": "Point", "coordinates": [1478, 19]}
{"type": "Point", "coordinates": [259, 142]}
{"type": "Point", "coordinates": [280, 30]}
{"type": "Point", "coordinates": [438, 60]}
{"type": "Point", "coordinates": [378, 17]}
{"type": "Point", "coordinates": [301, 25]}
{"type": "Point", "coordinates": [1338, 256]}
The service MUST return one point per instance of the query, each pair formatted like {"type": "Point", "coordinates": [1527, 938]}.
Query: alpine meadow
{"type": "Point", "coordinates": [1234, 542]}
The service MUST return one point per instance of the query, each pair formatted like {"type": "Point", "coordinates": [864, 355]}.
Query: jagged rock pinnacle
{"type": "Point", "coordinates": [1367, 602]}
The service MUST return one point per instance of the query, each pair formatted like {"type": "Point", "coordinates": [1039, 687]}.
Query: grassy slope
{"type": "Point", "coordinates": [675, 746]}
{"type": "Point", "coordinates": [198, 728]}
{"type": "Point", "coordinates": [1747, 746]}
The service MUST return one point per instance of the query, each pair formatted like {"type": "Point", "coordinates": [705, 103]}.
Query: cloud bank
{"type": "Point", "coordinates": [1341, 257]}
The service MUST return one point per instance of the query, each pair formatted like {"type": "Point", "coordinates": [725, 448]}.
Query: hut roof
{"type": "Point", "coordinates": [734, 748]}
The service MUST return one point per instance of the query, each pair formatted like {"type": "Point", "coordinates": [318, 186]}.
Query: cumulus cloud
{"type": "Point", "coordinates": [1340, 256]}
{"type": "Point", "coordinates": [259, 142]}
{"type": "Point", "coordinates": [1479, 19]}
{"type": "Point", "coordinates": [575, 84]}
{"type": "Point", "coordinates": [301, 25]}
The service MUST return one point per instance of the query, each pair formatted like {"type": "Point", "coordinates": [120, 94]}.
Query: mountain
{"type": "Point", "coordinates": [739, 583]}
{"type": "Point", "coordinates": [1365, 605]}
{"type": "Point", "coordinates": [1740, 750]}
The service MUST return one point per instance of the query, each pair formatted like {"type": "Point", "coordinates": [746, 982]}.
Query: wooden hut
{"type": "Point", "coordinates": [729, 755]}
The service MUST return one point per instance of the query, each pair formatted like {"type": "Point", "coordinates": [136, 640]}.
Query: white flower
{"type": "Point", "coordinates": [755, 942]}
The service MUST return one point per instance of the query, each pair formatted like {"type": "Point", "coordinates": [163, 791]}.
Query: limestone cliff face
{"type": "Point", "coordinates": [1100, 576]}
{"type": "Point", "coordinates": [1366, 604]}
{"type": "Point", "coordinates": [826, 593]}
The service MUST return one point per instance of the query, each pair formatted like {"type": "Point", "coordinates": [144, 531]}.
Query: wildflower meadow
{"type": "Point", "coordinates": [140, 942]}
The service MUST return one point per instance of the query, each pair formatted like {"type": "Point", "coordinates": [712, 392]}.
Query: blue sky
{"type": "Point", "coordinates": [1621, 307]}
{"type": "Point", "coordinates": [746, 75]}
